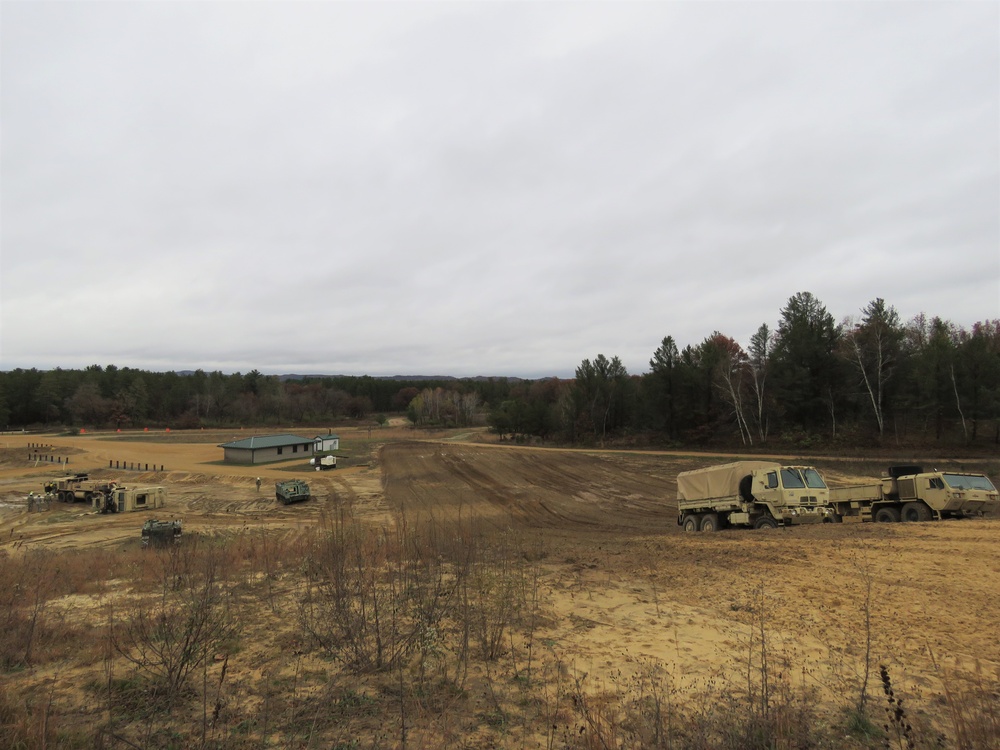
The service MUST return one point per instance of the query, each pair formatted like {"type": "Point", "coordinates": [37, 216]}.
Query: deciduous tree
{"type": "Point", "coordinates": [759, 360]}
{"type": "Point", "coordinates": [874, 345]}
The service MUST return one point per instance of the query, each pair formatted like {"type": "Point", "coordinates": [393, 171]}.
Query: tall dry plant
{"type": "Point", "coordinates": [27, 584]}
{"type": "Point", "coordinates": [167, 637]}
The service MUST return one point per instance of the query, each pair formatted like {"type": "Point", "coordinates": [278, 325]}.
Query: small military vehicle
{"type": "Point", "coordinates": [160, 533]}
{"type": "Point", "coordinates": [323, 462]}
{"type": "Point", "coordinates": [291, 491]}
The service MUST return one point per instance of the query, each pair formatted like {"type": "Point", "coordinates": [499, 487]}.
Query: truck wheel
{"type": "Point", "coordinates": [887, 514]}
{"type": "Point", "coordinates": [691, 523]}
{"type": "Point", "coordinates": [710, 522]}
{"type": "Point", "coordinates": [916, 511]}
{"type": "Point", "coordinates": [765, 522]}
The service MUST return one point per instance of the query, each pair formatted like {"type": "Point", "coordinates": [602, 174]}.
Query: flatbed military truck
{"type": "Point", "coordinates": [908, 493]}
{"type": "Point", "coordinates": [291, 491]}
{"type": "Point", "coordinates": [758, 494]}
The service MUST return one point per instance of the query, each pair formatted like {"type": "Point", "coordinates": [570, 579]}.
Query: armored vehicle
{"type": "Point", "coordinates": [291, 491]}
{"type": "Point", "coordinates": [909, 493]}
{"type": "Point", "coordinates": [760, 494]}
{"type": "Point", "coordinates": [160, 533]}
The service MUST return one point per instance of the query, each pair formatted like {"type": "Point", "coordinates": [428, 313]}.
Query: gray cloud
{"type": "Point", "coordinates": [495, 188]}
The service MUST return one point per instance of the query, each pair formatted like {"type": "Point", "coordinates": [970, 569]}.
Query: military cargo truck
{"type": "Point", "coordinates": [759, 494]}
{"type": "Point", "coordinates": [291, 491]}
{"type": "Point", "coordinates": [124, 499]}
{"type": "Point", "coordinates": [909, 493]}
{"type": "Point", "coordinates": [160, 533]}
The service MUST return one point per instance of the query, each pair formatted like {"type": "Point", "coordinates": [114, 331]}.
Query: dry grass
{"type": "Point", "coordinates": [526, 599]}
{"type": "Point", "coordinates": [409, 635]}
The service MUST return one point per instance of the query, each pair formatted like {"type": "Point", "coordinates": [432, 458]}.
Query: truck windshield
{"type": "Point", "coordinates": [791, 479]}
{"type": "Point", "coordinates": [813, 479]}
{"type": "Point", "coordinates": [969, 482]}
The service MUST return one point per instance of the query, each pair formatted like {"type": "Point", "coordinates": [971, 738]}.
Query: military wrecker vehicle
{"type": "Point", "coordinates": [66, 488]}
{"type": "Point", "coordinates": [291, 491]}
{"type": "Point", "coordinates": [757, 494]}
{"type": "Point", "coordinates": [160, 533]}
{"type": "Point", "coordinates": [909, 493]}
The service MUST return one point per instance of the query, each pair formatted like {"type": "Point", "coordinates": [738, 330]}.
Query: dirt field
{"type": "Point", "coordinates": [621, 584]}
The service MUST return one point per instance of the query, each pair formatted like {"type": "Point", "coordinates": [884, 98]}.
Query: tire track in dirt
{"type": "Point", "coordinates": [568, 490]}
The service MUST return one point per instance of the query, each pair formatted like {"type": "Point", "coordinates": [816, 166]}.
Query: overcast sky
{"type": "Point", "coordinates": [483, 188]}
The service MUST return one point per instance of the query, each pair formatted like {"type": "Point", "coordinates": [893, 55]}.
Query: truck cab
{"type": "Point", "coordinates": [791, 494]}
{"type": "Point", "coordinates": [946, 494]}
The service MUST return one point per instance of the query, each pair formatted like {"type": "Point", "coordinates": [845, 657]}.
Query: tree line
{"type": "Point", "coordinates": [809, 381]}
{"type": "Point", "coordinates": [113, 397]}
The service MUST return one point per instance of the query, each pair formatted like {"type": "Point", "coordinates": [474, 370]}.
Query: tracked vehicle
{"type": "Point", "coordinates": [291, 491]}
{"type": "Point", "coordinates": [160, 533]}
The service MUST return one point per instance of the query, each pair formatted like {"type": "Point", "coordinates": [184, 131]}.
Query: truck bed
{"type": "Point", "coordinates": [730, 502]}
{"type": "Point", "coordinates": [856, 493]}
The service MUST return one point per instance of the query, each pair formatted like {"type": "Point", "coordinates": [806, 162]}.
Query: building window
{"type": "Point", "coordinates": [295, 449]}
{"type": "Point", "coordinates": [140, 499]}
{"type": "Point", "coordinates": [280, 450]}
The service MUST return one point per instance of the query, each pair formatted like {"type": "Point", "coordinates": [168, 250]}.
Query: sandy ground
{"type": "Point", "coordinates": [621, 584]}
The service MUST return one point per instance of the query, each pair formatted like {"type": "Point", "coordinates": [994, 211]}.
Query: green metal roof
{"type": "Point", "coordinates": [268, 441]}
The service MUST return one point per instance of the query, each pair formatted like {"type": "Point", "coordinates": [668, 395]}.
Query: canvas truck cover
{"type": "Point", "coordinates": [718, 481]}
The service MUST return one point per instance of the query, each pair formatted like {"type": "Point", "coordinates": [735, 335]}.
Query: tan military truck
{"type": "Point", "coordinates": [909, 493]}
{"type": "Point", "coordinates": [759, 494]}
{"type": "Point", "coordinates": [70, 489]}
{"type": "Point", "coordinates": [65, 488]}
{"type": "Point", "coordinates": [124, 499]}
